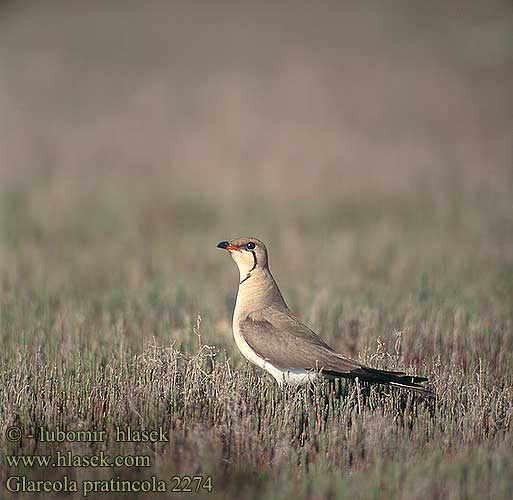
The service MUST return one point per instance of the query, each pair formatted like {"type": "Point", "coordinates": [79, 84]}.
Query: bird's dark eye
{"type": "Point", "coordinates": [250, 245]}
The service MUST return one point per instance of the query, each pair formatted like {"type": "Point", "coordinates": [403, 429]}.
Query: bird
{"type": "Point", "coordinates": [270, 336]}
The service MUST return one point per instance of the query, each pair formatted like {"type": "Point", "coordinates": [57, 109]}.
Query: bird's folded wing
{"type": "Point", "coordinates": [279, 338]}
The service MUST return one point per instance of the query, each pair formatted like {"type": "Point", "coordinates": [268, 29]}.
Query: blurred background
{"type": "Point", "coordinates": [369, 145]}
{"type": "Point", "coordinates": [262, 97]}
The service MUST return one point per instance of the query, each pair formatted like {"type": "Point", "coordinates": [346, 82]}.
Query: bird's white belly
{"type": "Point", "coordinates": [291, 377]}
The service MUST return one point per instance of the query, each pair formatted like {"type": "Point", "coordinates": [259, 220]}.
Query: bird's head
{"type": "Point", "coordinates": [248, 253]}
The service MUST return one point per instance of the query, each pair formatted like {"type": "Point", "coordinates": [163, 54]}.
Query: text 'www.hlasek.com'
{"type": "Point", "coordinates": [23, 467]}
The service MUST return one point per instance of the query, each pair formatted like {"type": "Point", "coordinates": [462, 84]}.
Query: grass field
{"type": "Point", "coordinates": [116, 311]}
{"type": "Point", "coordinates": [369, 148]}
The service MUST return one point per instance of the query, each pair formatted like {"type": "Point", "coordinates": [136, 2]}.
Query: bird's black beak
{"type": "Point", "coordinates": [223, 244]}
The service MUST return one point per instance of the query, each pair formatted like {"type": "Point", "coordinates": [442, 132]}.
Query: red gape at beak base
{"type": "Point", "coordinates": [231, 247]}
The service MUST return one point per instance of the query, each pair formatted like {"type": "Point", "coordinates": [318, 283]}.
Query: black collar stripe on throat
{"type": "Point", "coordinates": [254, 261]}
{"type": "Point", "coordinates": [252, 269]}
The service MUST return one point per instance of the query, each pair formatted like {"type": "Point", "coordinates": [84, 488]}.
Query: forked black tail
{"type": "Point", "coordinates": [395, 379]}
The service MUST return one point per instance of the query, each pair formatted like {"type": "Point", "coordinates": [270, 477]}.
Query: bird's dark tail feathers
{"type": "Point", "coordinates": [395, 379]}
